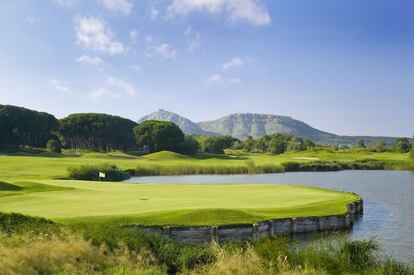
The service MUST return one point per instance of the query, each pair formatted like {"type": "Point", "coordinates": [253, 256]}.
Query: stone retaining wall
{"type": "Point", "coordinates": [275, 227]}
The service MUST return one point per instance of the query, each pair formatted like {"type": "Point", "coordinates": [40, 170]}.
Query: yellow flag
{"type": "Point", "coordinates": [102, 175]}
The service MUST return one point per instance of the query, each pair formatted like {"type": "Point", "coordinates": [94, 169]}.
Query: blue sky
{"type": "Point", "coordinates": [344, 66]}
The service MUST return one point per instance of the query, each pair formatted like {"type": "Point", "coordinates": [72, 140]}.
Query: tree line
{"type": "Point", "coordinates": [274, 144]}
{"type": "Point", "coordinates": [21, 126]}
{"type": "Point", "coordinates": [102, 132]}
{"type": "Point", "coordinates": [99, 132]}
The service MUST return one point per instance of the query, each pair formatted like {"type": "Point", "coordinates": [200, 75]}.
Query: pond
{"type": "Point", "coordinates": [388, 200]}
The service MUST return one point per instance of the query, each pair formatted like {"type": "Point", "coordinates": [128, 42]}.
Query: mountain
{"type": "Point", "coordinates": [243, 125]}
{"type": "Point", "coordinates": [186, 125]}
{"type": "Point", "coordinates": [257, 125]}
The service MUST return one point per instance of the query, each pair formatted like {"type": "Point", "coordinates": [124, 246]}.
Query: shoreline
{"type": "Point", "coordinates": [267, 228]}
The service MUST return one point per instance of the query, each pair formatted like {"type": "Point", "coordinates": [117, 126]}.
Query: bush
{"type": "Point", "coordinates": [91, 172]}
{"type": "Point", "coordinates": [54, 146]}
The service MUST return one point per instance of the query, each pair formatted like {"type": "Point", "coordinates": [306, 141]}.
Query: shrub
{"type": "Point", "coordinates": [91, 172]}
{"type": "Point", "coordinates": [54, 146]}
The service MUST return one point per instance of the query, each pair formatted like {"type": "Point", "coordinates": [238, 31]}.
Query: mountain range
{"type": "Point", "coordinates": [242, 125]}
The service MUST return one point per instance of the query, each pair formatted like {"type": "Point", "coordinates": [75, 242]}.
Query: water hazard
{"type": "Point", "coordinates": [388, 200]}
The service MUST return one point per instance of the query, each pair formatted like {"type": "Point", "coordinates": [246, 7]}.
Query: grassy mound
{"type": "Point", "coordinates": [25, 187]}
{"type": "Point", "coordinates": [166, 155]}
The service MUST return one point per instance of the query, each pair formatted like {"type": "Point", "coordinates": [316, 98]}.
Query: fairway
{"type": "Point", "coordinates": [172, 204]}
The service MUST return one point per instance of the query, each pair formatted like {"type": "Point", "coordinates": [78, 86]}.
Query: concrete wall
{"type": "Point", "coordinates": [275, 227]}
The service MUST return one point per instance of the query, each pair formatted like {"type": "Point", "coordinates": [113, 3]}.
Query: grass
{"type": "Point", "coordinates": [84, 232]}
{"type": "Point", "coordinates": [171, 204]}
{"type": "Point", "coordinates": [110, 249]}
{"type": "Point", "coordinates": [51, 166]}
{"type": "Point", "coordinates": [31, 185]}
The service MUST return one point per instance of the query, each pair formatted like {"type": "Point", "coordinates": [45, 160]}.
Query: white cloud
{"type": "Point", "coordinates": [59, 85]}
{"type": "Point", "coordinates": [218, 78]}
{"type": "Point", "coordinates": [121, 6]}
{"type": "Point", "coordinates": [166, 51]}
{"type": "Point", "coordinates": [93, 33]}
{"type": "Point", "coordinates": [215, 78]}
{"type": "Point", "coordinates": [114, 88]}
{"type": "Point", "coordinates": [64, 3]}
{"type": "Point", "coordinates": [154, 12]}
{"type": "Point", "coordinates": [251, 11]}
{"type": "Point", "coordinates": [193, 39]}
{"type": "Point", "coordinates": [234, 80]}
{"type": "Point", "coordinates": [102, 92]}
{"type": "Point", "coordinates": [134, 35]}
{"type": "Point", "coordinates": [96, 61]}
{"type": "Point", "coordinates": [235, 62]}
{"type": "Point", "coordinates": [136, 68]}
{"type": "Point", "coordinates": [122, 85]}
{"type": "Point", "coordinates": [32, 20]}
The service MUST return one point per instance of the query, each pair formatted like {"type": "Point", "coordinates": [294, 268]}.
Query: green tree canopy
{"type": "Point", "coordinates": [21, 126]}
{"type": "Point", "coordinates": [295, 144]}
{"type": "Point", "coordinates": [190, 145]}
{"type": "Point", "coordinates": [402, 145]}
{"type": "Point", "coordinates": [215, 144]}
{"type": "Point", "coordinates": [308, 144]}
{"type": "Point", "coordinates": [94, 131]}
{"type": "Point", "coordinates": [379, 147]}
{"type": "Point", "coordinates": [361, 143]}
{"type": "Point", "coordinates": [54, 146]}
{"type": "Point", "coordinates": [159, 135]}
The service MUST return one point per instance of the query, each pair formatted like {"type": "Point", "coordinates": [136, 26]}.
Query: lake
{"type": "Point", "coordinates": [388, 200]}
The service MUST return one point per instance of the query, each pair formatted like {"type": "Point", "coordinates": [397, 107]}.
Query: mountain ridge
{"type": "Point", "coordinates": [242, 125]}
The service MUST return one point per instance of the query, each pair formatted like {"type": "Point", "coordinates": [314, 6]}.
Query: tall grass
{"type": "Point", "coordinates": [251, 168]}
{"type": "Point", "coordinates": [197, 169]}
{"type": "Point", "coordinates": [366, 164]}
{"type": "Point", "coordinates": [114, 249]}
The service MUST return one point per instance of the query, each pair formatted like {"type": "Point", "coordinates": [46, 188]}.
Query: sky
{"type": "Point", "coordinates": [343, 66]}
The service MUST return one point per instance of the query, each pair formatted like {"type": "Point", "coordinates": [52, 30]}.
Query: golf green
{"type": "Point", "coordinates": [168, 204]}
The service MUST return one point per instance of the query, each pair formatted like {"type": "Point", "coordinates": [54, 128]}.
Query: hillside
{"type": "Point", "coordinates": [186, 125]}
{"type": "Point", "coordinates": [242, 125]}
{"type": "Point", "coordinates": [257, 125]}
